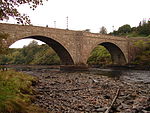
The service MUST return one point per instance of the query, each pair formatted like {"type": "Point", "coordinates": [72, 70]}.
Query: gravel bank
{"type": "Point", "coordinates": [81, 92]}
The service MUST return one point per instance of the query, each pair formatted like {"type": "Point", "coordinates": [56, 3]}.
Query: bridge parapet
{"type": "Point", "coordinates": [102, 36]}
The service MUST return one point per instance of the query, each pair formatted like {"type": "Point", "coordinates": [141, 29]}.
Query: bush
{"type": "Point", "coordinates": [16, 92]}
{"type": "Point", "coordinates": [143, 56]}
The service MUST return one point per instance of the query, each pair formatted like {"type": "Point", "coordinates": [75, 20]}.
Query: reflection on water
{"type": "Point", "coordinates": [136, 76]}
{"type": "Point", "coordinates": [107, 72]}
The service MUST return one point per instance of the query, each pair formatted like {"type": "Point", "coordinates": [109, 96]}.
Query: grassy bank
{"type": "Point", "coordinates": [16, 93]}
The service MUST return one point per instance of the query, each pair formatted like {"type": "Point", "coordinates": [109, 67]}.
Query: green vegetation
{"type": "Point", "coordinates": [143, 56]}
{"type": "Point", "coordinates": [32, 54]}
{"type": "Point", "coordinates": [99, 56]}
{"type": "Point", "coordinates": [142, 30]}
{"type": "Point", "coordinates": [16, 93]}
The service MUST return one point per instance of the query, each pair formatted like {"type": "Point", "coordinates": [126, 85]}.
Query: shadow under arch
{"type": "Point", "coordinates": [63, 54]}
{"type": "Point", "coordinates": [117, 55]}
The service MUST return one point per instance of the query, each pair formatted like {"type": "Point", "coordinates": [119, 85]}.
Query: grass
{"type": "Point", "coordinates": [16, 93]}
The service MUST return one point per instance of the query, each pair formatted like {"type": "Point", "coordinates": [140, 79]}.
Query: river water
{"type": "Point", "coordinates": [127, 75]}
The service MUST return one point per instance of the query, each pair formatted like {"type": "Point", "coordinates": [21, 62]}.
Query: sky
{"type": "Point", "coordinates": [87, 14]}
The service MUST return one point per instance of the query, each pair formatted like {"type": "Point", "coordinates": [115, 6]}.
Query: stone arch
{"type": "Point", "coordinates": [61, 51]}
{"type": "Point", "coordinates": [116, 52]}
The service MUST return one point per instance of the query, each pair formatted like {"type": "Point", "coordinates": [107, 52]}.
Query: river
{"type": "Point", "coordinates": [90, 91]}
{"type": "Point", "coordinates": [123, 74]}
{"type": "Point", "coordinates": [128, 75]}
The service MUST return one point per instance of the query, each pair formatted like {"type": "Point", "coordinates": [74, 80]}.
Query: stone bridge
{"type": "Point", "coordinates": [73, 47]}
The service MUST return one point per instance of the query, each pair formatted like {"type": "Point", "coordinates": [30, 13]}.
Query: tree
{"type": "Point", "coordinates": [8, 8]}
{"type": "Point", "coordinates": [125, 29]}
{"type": "Point", "coordinates": [144, 28]}
{"type": "Point", "coordinates": [87, 30]}
{"type": "Point", "coordinates": [33, 44]}
{"type": "Point", "coordinates": [103, 30]}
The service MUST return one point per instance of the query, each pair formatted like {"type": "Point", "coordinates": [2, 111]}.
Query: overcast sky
{"type": "Point", "coordinates": [88, 14]}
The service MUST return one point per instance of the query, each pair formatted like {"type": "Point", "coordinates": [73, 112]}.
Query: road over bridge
{"type": "Point", "coordinates": [73, 47]}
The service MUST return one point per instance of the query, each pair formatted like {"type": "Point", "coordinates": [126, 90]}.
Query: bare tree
{"type": "Point", "coordinates": [8, 8]}
{"type": "Point", "coordinates": [103, 30]}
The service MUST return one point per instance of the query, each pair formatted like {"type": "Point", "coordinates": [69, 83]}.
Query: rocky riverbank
{"type": "Point", "coordinates": [81, 92]}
